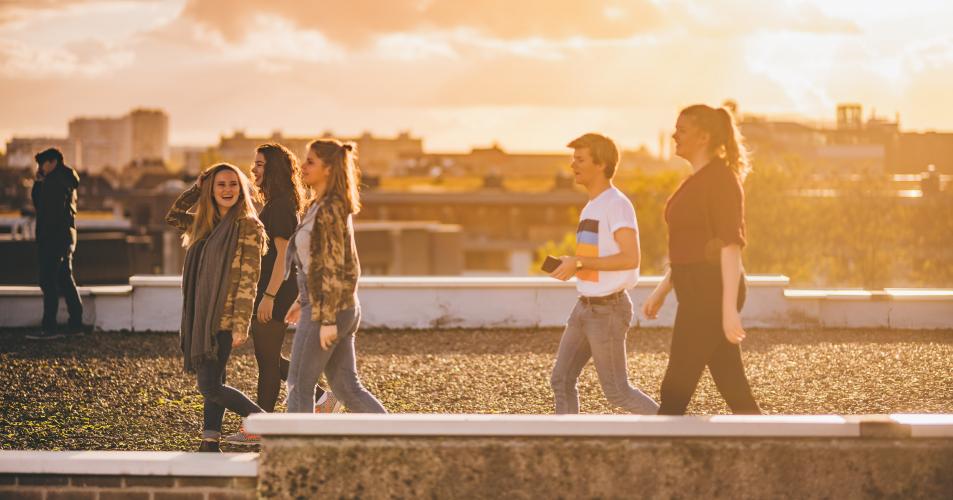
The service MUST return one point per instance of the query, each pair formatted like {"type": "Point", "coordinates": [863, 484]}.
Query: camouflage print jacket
{"type": "Point", "coordinates": [246, 265]}
{"type": "Point", "coordinates": [334, 267]}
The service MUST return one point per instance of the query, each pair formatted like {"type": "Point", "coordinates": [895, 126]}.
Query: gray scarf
{"type": "Point", "coordinates": [204, 287]}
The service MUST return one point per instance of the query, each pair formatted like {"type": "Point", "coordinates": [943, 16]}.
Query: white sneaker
{"type": "Point", "coordinates": [329, 405]}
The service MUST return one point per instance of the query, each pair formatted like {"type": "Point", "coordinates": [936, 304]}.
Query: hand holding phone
{"type": "Point", "coordinates": [550, 264]}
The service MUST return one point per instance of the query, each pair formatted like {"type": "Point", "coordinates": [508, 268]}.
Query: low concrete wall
{"type": "Point", "coordinates": [503, 456]}
{"type": "Point", "coordinates": [521, 456]}
{"type": "Point", "coordinates": [154, 303]}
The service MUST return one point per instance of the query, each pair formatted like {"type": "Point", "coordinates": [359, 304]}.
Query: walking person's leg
{"type": "Point", "coordinates": [571, 356]}
{"type": "Point", "coordinates": [728, 371]}
{"type": "Point", "coordinates": [341, 368]}
{"type": "Point", "coordinates": [606, 327]}
{"type": "Point", "coordinates": [691, 350]}
{"type": "Point", "coordinates": [67, 287]}
{"type": "Point", "coordinates": [267, 339]}
{"type": "Point", "coordinates": [213, 388]}
{"type": "Point", "coordinates": [209, 375]}
{"type": "Point", "coordinates": [307, 363]}
{"type": "Point", "coordinates": [48, 262]}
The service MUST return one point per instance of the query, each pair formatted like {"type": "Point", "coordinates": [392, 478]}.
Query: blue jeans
{"type": "Point", "coordinates": [338, 363]}
{"type": "Point", "coordinates": [597, 331]}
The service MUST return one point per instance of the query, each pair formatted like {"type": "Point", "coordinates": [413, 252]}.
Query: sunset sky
{"type": "Point", "coordinates": [527, 74]}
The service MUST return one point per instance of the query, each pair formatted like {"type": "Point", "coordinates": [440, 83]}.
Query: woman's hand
{"type": "Point", "coordinates": [731, 323]}
{"type": "Point", "coordinates": [239, 339]}
{"type": "Point", "coordinates": [265, 309]}
{"type": "Point", "coordinates": [329, 335]}
{"type": "Point", "coordinates": [652, 305]}
{"type": "Point", "coordinates": [294, 314]}
{"type": "Point", "coordinates": [204, 175]}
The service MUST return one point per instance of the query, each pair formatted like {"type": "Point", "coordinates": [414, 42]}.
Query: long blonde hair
{"type": "Point", "coordinates": [725, 140]}
{"type": "Point", "coordinates": [345, 177]}
{"type": "Point", "coordinates": [206, 214]}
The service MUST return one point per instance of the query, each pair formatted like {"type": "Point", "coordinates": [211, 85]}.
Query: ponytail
{"type": "Point", "coordinates": [726, 141]}
{"type": "Point", "coordinates": [736, 154]}
{"type": "Point", "coordinates": [345, 178]}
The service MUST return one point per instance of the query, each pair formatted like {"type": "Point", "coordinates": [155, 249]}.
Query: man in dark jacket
{"type": "Point", "coordinates": [54, 197]}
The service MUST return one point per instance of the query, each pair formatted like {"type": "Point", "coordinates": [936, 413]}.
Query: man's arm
{"type": "Point", "coordinates": [629, 257]}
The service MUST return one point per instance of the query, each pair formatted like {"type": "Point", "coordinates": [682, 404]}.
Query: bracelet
{"type": "Point", "coordinates": [269, 295]}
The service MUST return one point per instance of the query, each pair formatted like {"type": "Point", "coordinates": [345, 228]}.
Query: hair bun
{"type": "Point", "coordinates": [348, 146]}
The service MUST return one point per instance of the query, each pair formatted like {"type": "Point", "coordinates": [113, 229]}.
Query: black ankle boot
{"type": "Point", "coordinates": [209, 446]}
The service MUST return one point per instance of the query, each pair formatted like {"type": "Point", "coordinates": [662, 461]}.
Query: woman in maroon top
{"type": "Point", "coordinates": [706, 230]}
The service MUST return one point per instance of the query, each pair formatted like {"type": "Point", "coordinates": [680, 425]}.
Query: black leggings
{"type": "Point", "coordinates": [698, 340]}
{"type": "Point", "coordinates": [272, 366]}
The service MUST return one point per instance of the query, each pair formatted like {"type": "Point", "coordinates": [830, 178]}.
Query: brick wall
{"type": "Point", "coordinates": [76, 487]}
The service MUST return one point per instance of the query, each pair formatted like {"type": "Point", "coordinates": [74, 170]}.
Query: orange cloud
{"type": "Point", "coordinates": [356, 22]}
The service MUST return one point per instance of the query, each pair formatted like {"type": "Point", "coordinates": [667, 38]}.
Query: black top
{"type": "Point", "coordinates": [54, 199]}
{"type": "Point", "coordinates": [705, 214]}
{"type": "Point", "coordinates": [280, 220]}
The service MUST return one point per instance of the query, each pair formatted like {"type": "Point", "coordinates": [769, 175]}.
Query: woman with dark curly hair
{"type": "Point", "coordinates": [277, 175]}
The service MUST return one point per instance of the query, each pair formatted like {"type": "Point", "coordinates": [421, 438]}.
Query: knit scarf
{"type": "Point", "coordinates": [204, 288]}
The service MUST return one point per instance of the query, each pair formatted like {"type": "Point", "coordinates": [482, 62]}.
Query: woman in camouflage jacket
{"type": "Point", "coordinates": [327, 311]}
{"type": "Point", "coordinates": [224, 241]}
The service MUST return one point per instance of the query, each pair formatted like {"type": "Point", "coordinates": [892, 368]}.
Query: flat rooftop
{"type": "Point", "coordinates": [127, 391]}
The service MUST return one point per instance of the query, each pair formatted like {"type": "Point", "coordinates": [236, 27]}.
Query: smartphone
{"type": "Point", "coordinates": [550, 264]}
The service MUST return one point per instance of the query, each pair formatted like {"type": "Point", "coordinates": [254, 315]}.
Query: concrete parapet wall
{"type": "Point", "coordinates": [505, 456]}
{"type": "Point", "coordinates": [552, 467]}
{"type": "Point", "coordinates": [521, 456]}
{"type": "Point", "coordinates": [154, 303]}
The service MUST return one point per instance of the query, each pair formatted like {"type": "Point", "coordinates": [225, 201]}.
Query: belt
{"type": "Point", "coordinates": [608, 299]}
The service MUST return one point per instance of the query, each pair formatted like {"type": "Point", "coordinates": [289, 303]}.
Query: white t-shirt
{"type": "Point", "coordinates": [303, 237]}
{"type": "Point", "coordinates": [598, 222]}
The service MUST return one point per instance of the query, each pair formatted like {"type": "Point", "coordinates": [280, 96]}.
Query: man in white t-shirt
{"type": "Point", "coordinates": [606, 265]}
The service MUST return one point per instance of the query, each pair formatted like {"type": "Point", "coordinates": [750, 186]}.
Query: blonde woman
{"type": "Point", "coordinates": [327, 311]}
{"type": "Point", "coordinates": [224, 241]}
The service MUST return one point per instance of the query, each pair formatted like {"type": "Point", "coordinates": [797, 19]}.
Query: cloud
{"type": "Point", "coordinates": [359, 22]}
{"type": "Point", "coordinates": [18, 60]}
{"type": "Point", "coordinates": [734, 18]}
{"type": "Point", "coordinates": [274, 45]}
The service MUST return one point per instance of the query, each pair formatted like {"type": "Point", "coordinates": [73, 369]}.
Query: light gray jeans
{"type": "Point", "coordinates": [338, 363]}
{"type": "Point", "coordinates": [598, 331]}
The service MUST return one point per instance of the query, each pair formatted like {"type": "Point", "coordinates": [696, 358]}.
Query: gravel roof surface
{"type": "Point", "coordinates": [127, 391]}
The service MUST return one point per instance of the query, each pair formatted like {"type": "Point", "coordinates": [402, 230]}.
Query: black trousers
{"type": "Point", "coordinates": [699, 340]}
{"type": "Point", "coordinates": [55, 263]}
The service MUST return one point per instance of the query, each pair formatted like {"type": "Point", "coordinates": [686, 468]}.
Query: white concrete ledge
{"type": "Point", "coordinates": [156, 281]}
{"type": "Point", "coordinates": [84, 291]}
{"type": "Point", "coordinates": [904, 294]}
{"type": "Point", "coordinates": [926, 425]}
{"type": "Point", "coordinates": [129, 463]}
{"type": "Point", "coordinates": [802, 426]}
{"type": "Point", "coordinates": [154, 303]}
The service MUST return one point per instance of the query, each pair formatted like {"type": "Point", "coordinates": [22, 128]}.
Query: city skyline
{"type": "Point", "coordinates": [470, 74]}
